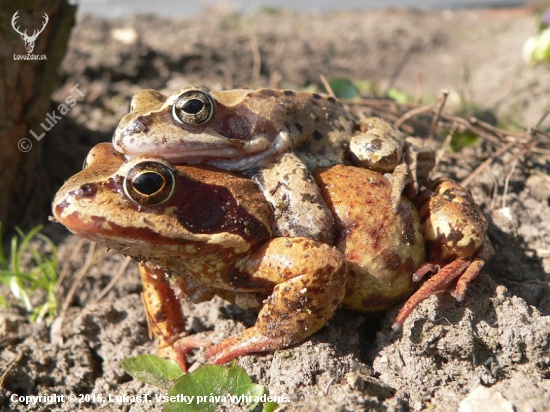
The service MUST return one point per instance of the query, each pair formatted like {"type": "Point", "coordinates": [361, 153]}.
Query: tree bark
{"type": "Point", "coordinates": [25, 89]}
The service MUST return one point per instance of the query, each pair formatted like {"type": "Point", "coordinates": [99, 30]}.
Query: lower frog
{"type": "Point", "coordinates": [276, 137]}
{"type": "Point", "coordinates": [201, 232]}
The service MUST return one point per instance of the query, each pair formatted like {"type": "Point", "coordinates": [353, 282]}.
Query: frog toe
{"type": "Point", "coordinates": [179, 350]}
{"type": "Point", "coordinates": [439, 282]}
{"type": "Point", "coordinates": [481, 257]}
{"type": "Point", "coordinates": [250, 341]}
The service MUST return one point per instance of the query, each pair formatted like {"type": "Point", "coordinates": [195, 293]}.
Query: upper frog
{"type": "Point", "coordinates": [258, 132]}
{"type": "Point", "coordinates": [235, 129]}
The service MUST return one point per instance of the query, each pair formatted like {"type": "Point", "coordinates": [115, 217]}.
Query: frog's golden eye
{"type": "Point", "coordinates": [150, 183]}
{"type": "Point", "coordinates": [132, 103]}
{"type": "Point", "coordinates": [193, 108]}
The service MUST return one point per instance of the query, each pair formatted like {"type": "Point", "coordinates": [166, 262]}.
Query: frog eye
{"type": "Point", "coordinates": [193, 108]}
{"type": "Point", "coordinates": [150, 183]}
{"type": "Point", "coordinates": [132, 104]}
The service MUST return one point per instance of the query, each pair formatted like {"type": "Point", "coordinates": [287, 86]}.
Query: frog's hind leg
{"type": "Point", "coordinates": [465, 270]}
{"type": "Point", "coordinates": [439, 282]}
{"type": "Point", "coordinates": [310, 283]}
{"type": "Point", "coordinates": [482, 256]}
{"type": "Point", "coordinates": [165, 317]}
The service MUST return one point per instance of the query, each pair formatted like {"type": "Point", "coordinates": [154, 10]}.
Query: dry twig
{"type": "Point", "coordinates": [114, 280]}
{"type": "Point", "coordinates": [430, 120]}
{"type": "Point", "coordinates": [10, 366]}
{"type": "Point", "coordinates": [79, 276]}
{"type": "Point", "coordinates": [433, 126]}
{"type": "Point", "coordinates": [326, 85]}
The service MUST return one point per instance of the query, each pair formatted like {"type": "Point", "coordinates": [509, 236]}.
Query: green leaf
{"type": "Point", "coordinates": [39, 313]}
{"type": "Point", "coordinates": [366, 86]}
{"type": "Point", "coordinates": [399, 95]}
{"type": "Point", "coordinates": [26, 239]}
{"type": "Point", "coordinates": [536, 49]}
{"type": "Point", "coordinates": [19, 291]}
{"type": "Point", "coordinates": [3, 259]}
{"type": "Point", "coordinates": [343, 88]}
{"type": "Point", "coordinates": [14, 263]}
{"type": "Point", "coordinates": [210, 386]}
{"type": "Point", "coordinates": [270, 406]}
{"type": "Point", "coordinates": [461, 140]}
{"type": "Point", "coordinates": [42, 273]}
{"type": "Point", "coordinates": [153, 370]}
{"type": "Point", "coordinates": [266, 10]}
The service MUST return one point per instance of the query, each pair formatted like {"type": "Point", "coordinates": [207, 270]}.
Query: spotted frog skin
{"type": "Point", "coordinates": [204, 232]}
{"type": "Point", "coordinates": [276, 136]}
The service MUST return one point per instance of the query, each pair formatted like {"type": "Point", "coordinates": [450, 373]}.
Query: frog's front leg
{"type": "Point", "coordinates": [299, 208]}
{"type": "Point", "coordinates": [309, 281]}
{"type": "Point", "coordinates": [165, 317]}
{"type": "Point", "coordinates": [457, 245]}
{"type": "Point", "coordinates": [380, 147]}
{"type": "Point", "coordinates": [420, 161]}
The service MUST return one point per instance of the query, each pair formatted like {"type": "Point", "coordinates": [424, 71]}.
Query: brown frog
{"type": "Point", "coordinates": [277, 137]}
{"type": "Point", "coordinates": [204, 232]}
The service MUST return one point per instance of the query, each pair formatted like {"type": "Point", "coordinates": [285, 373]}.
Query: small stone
{"type": "Point", "coordinates": [501, 293]}
{"type": "Point", "coordinates": [486, 400]}
{"type": "Point", "coordinates": [125, 35]}
{"type": "Point", "coordinates": [539, 186]}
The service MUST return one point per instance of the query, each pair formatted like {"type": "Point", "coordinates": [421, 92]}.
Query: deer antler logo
{"type": "Point", "coordinates": [29, 40]}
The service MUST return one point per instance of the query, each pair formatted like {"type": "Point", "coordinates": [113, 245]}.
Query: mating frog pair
{"type": "Point", "coordinates": [211, 232]}
{"type": "Point", "coordinates": [276, 138]}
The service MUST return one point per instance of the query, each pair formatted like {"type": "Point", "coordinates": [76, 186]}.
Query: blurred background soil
{"type": "Point", "coordinates": [491, 351]}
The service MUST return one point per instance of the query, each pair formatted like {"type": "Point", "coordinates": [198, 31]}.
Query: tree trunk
{"type": "Point", "coordinates": [25, 89]}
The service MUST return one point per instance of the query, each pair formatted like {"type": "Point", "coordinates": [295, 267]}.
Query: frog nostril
{"type": "Point", "coordinates": [86, 190]}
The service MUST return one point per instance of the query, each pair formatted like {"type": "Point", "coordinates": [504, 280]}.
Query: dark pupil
{"type": "Point", "coordinates": [193, 106]}
{"type": "Point", "coordinates": [148, 183]}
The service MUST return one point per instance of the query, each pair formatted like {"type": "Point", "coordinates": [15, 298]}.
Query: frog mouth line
{"type": "Point", "coordinates": [222, 154]}
{"type": "Point", "coordinates": [173, 147]}
{"type": "Point", "coordinates": [282, 143]}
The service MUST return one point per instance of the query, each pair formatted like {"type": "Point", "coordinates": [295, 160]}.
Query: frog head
{"type": "Point", "coordinates": [194, 125]}
{"type": "Point", "coordinates": [185, 217]}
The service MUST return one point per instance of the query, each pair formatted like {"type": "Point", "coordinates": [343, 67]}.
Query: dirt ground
{"type": "Point", "coordinates": [491, 352]}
